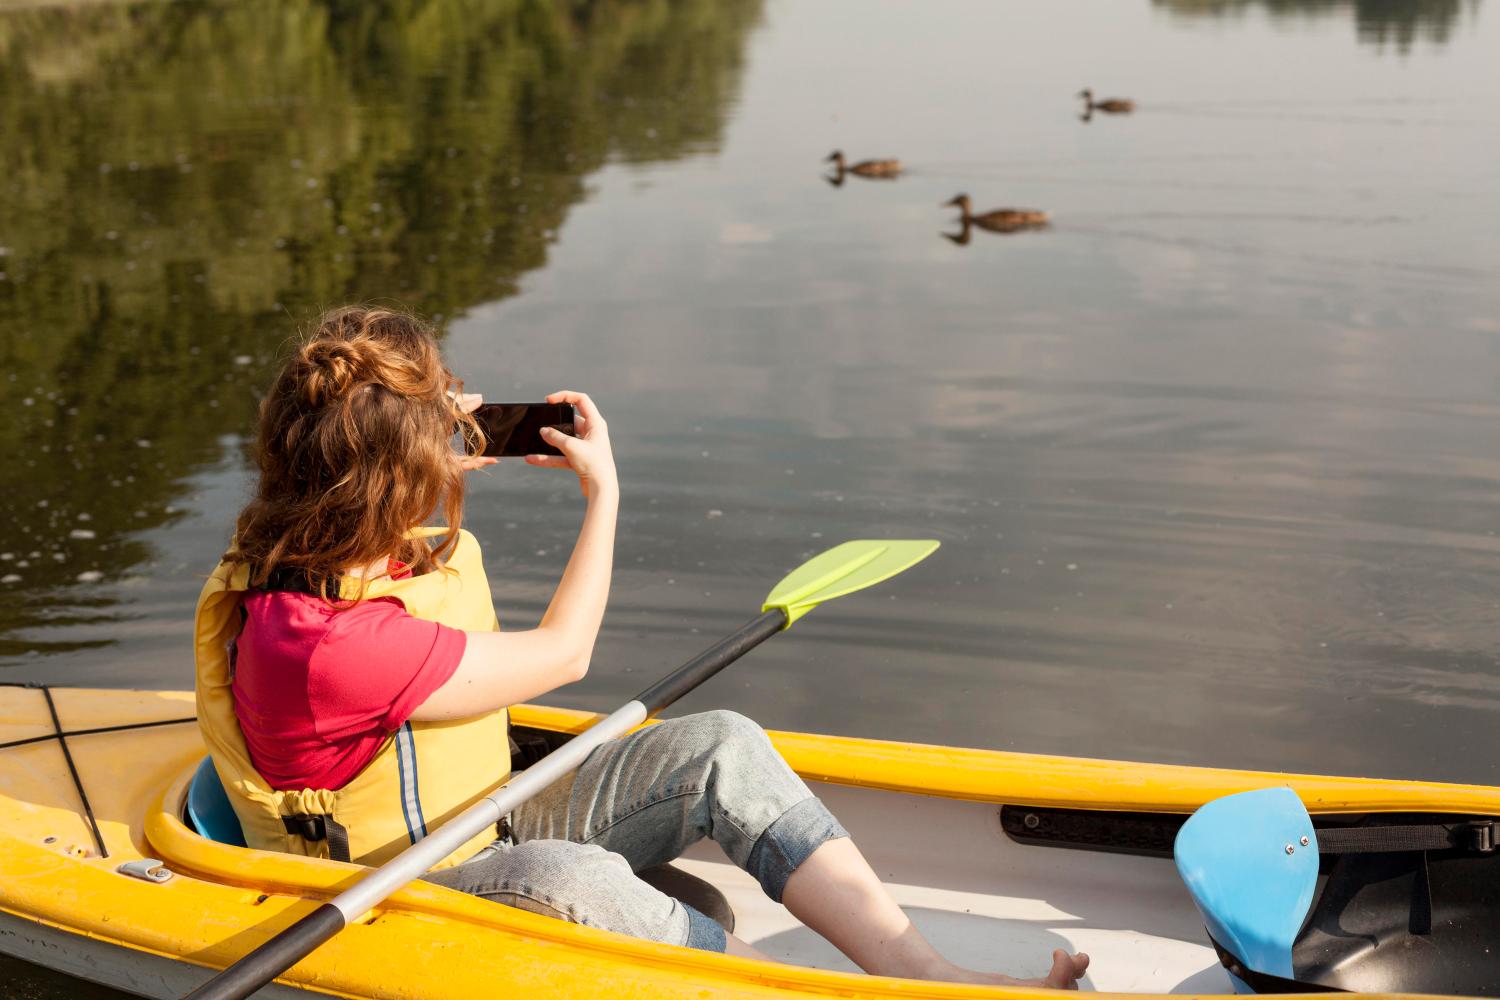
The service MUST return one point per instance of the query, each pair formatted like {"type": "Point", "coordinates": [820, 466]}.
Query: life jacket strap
{"type": "Point", "coordinates": [299, 581]}
{"type": "Point", "coordinates": [320, 826]}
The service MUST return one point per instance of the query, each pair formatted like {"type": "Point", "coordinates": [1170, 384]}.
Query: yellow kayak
{"type": "Point", "coordinates": [102, 878]}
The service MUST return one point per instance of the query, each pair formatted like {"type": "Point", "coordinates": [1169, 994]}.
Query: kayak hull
{"type": "Point", "coordinates": [929, 819]}
{"type": "Point", "coordinates": [103, 963]}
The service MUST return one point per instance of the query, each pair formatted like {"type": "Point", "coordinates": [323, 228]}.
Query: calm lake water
{"type": "Point", "coordinates": [1215, 459]}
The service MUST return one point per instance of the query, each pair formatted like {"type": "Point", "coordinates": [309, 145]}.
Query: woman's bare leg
{"type": "Point", "coordinates": [836, 893]}
{"type": "Point", "coordinates": [734, 946]}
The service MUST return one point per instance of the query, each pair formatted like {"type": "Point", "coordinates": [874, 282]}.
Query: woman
{"type": "Point", "coordinates": [352, 679]}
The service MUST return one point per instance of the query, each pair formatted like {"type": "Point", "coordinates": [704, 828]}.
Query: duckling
{"type": "Point", "coordinates": [884, 169]}
{"type": "Point", "coordinates": [1000, 220]}
{"type": "Point", "coordinates": [1110, 105]}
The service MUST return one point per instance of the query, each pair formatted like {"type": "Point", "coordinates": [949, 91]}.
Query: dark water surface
{"type": "Point", "coordinates": [1214, 459]}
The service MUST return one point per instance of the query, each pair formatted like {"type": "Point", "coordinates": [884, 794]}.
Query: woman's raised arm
{"type": "Point", "coordinates": [499, 669]}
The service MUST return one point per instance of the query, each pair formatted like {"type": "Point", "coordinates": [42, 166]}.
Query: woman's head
{"type": "Point", "coordinates": [355, 449]}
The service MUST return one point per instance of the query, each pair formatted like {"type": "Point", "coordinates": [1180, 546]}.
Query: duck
{"type": "Point", "coordinates": [1000, 220]}
{"type": "Point", "coordinates": [1110, 105]}
{"type": "Point", "coordinates": [864, 168]}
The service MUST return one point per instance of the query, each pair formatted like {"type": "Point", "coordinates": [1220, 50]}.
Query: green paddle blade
{"type": "Point", "coordinates": [842, 570]}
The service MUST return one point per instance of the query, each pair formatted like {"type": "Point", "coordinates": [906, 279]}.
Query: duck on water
{"type": "Point", "coordinates": [1110, 105]}
{"type": "Point", "coordinates": [877, 169]}
{"type": "Point", "coordinates": [999, 220]}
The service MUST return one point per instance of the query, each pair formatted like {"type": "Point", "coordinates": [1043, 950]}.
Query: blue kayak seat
{"type": "Point", "coordinates": [1251, 862]}
{"type": "Point", "coordinates": [208, 808]}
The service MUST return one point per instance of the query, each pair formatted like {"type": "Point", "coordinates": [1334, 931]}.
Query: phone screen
{"type": "Point", "coordinates": [516, 428]}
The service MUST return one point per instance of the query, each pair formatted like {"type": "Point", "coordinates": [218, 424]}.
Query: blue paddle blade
{"type": "Point", "coordinates": [1251, 862]}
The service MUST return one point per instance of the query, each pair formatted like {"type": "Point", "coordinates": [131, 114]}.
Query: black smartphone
{"type": "Point", "coordinates": [516, 428]}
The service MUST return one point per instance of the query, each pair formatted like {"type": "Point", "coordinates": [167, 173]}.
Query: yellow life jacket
{"type": "Point", "coordinates": [422, 776]}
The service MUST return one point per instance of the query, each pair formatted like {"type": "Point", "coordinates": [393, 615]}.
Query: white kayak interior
{"type": "Point", "coordinates": [991, 903]}
{"type": "Point", "coordinates": [985, 900]}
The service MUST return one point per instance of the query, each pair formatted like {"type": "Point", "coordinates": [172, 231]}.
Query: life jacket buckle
{"type": "Point", "coordinates": [307, 826]}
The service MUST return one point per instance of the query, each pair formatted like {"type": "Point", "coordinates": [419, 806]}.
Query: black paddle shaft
{"type": "Point", "coordinates": [274, 957]}
{"type": "Point", "coordinates": [700, 668]}
{"type": "Point", "coordinates": [302, 938]}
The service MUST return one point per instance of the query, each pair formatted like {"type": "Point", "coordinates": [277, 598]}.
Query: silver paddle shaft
{"type": "Point", "coordinates": [418, 859]}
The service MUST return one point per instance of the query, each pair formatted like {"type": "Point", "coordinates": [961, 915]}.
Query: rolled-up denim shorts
{"type": "Point", "coordinates": [640, 801]}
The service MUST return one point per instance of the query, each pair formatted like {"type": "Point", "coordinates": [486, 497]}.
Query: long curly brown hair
{"type": "Point", "coordinates": [355, 449]}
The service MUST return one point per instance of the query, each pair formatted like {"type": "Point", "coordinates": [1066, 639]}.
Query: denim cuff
{"type": "Point", "coordinates": [788, 841]}
{"type": "Point", "coordinates": [704, 933]}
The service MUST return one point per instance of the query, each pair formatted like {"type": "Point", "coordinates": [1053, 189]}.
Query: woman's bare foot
{"type": "Point", "coordinates": [1066, 971]}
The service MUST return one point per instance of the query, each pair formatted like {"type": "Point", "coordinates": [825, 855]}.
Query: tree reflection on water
{"type": "Point", "coordinates": [182, 184]}
{"type": "Point", "coordinates": [1378, 22]}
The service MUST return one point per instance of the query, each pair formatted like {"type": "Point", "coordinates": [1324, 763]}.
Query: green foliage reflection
{"type": "Point", "coordinates": [1379, 22]}
{"type": "Point", "coordinates": [182, 184]}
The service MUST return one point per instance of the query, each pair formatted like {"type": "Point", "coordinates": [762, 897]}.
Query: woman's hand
{"type": "Point", "coordinates": [468, 402]}
{"type": "Point", "coordinates": [588, 454]}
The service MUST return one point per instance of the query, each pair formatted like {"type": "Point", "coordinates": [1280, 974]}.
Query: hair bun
{"type": "Point", "coordinates": [360, 346]}
{"type": "Point", "coordinates": [335, 367]}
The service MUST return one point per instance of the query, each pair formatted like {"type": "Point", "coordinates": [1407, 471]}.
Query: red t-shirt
{"type": "Point", "coordinates": [318, 690]}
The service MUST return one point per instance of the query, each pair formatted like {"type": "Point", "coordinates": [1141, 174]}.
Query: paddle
{"type": "Point", "coordinates": [839, 571]}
